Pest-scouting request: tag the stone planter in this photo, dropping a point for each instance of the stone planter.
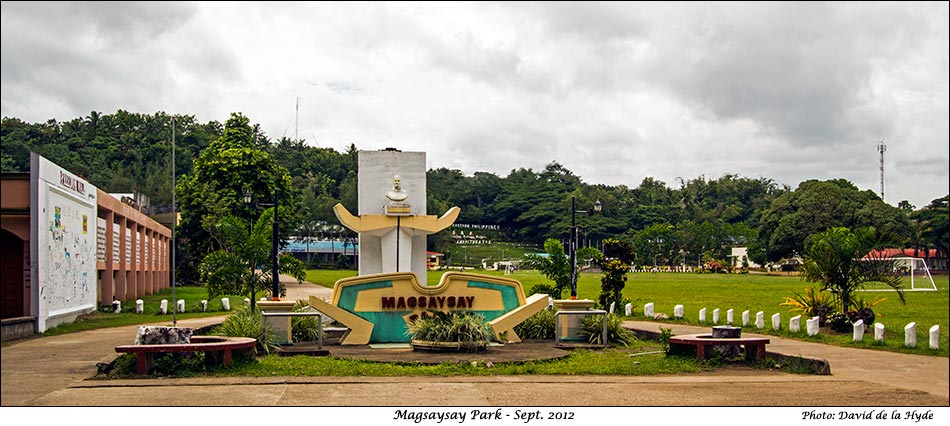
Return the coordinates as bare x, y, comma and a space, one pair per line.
432, 346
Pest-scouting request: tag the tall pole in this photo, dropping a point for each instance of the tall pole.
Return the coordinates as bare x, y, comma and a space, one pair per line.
275, 295
881, 148
174, 223
573, 252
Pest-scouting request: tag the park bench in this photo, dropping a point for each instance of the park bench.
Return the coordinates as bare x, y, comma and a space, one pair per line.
217, 349
754, 346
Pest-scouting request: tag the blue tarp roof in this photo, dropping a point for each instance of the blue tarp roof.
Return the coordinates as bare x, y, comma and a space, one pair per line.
320, 247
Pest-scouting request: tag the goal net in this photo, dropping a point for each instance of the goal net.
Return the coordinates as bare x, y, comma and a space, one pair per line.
915, 276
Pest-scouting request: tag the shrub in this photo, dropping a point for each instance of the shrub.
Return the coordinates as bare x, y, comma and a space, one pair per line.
244, 323
593, 328
461, 327
840, 322
537, 326
813, 303
547, 289
304, 329
665, 334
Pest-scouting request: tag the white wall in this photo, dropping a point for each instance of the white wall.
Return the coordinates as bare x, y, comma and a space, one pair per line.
63, 243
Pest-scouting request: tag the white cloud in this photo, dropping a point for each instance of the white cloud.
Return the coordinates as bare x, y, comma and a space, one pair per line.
613, 91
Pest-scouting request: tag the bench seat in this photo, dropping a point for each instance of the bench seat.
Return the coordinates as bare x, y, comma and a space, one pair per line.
217, 350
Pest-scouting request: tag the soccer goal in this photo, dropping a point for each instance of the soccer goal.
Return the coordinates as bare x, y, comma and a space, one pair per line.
914, 274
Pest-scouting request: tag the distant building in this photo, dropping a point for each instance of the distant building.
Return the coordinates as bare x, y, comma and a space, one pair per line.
739, 256
936, 260
323, 251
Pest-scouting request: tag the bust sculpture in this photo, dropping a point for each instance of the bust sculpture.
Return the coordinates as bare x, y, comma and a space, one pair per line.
397, 195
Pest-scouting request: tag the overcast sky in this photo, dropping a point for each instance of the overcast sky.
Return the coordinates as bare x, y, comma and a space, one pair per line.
615, 92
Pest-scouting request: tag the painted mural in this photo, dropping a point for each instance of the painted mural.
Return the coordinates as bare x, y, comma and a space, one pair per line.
70, 255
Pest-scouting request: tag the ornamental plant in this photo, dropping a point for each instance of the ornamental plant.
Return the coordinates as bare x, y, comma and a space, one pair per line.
453, 327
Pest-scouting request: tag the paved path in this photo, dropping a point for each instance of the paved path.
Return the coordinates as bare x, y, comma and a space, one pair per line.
56, 371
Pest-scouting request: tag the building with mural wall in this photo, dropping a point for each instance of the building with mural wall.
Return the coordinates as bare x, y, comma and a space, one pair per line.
69, 247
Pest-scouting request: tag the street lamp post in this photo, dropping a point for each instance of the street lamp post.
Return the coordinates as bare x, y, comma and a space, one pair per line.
275, 267
597, 207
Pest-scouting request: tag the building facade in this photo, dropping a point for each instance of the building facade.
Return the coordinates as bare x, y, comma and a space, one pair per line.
69, 248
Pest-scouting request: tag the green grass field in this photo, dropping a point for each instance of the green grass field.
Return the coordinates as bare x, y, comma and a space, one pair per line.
752, 292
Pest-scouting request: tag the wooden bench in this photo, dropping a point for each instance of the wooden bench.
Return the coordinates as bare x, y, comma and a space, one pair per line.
754, 346
217, 350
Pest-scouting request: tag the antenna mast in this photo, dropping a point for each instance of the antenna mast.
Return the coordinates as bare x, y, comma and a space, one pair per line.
881, 148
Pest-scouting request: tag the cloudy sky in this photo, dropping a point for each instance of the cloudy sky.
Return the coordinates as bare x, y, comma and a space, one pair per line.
613, 91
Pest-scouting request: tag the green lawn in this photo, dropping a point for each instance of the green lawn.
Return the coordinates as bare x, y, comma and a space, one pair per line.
151, 311
753, 292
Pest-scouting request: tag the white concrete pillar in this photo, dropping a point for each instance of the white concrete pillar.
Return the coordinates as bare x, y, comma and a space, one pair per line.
181, 305
139, 306
628, 309
163, 307
878, 332
716, 316
247, 302
858, 333
910, 335
730, 317
745, 318
760, 319
613, 305
776, 321
648, 310
204, 306
811, 326
935, 337
702, 315
679, 311
225, 303
116, 306
795, 324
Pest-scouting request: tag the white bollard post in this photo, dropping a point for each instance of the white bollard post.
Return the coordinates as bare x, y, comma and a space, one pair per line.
702, 315
812, 326
648, 310
858, 333
795, 324
745, 318
730, 317
247, 302
760, 319
935, 337
163, 307
612, 306
116, 306
204, 306
226, 303
628, 309
181, 305
679, 311
776, 321
878, 332
910, 335
139, 306
716, 316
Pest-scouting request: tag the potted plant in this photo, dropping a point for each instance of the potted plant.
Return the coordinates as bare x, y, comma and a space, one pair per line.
454, 331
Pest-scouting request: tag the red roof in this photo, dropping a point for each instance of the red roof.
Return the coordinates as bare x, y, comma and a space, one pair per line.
433, 253
907, 252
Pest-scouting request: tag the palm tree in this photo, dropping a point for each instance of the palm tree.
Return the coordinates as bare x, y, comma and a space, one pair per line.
233, 269
555, 265
842, 262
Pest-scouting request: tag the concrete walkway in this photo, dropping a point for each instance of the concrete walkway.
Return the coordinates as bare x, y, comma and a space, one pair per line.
56, 371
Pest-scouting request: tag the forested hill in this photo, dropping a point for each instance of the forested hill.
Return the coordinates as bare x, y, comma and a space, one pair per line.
124, 152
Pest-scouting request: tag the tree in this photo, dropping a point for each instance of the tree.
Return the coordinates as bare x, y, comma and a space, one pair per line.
556, 266
228, 168
819, 205
242, 264
836, 259
616, 264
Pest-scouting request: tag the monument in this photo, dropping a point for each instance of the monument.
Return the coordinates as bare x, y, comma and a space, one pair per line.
391, 289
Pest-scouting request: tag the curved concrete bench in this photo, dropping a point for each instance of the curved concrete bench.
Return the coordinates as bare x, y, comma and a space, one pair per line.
754, 346
217, 350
